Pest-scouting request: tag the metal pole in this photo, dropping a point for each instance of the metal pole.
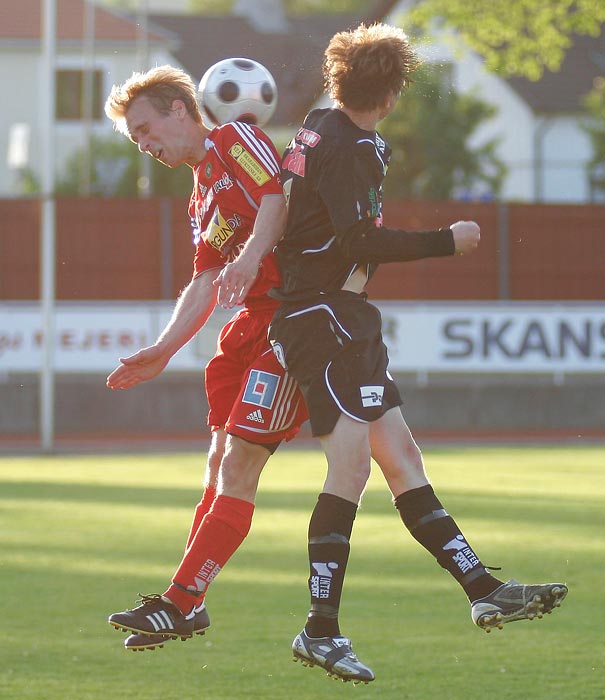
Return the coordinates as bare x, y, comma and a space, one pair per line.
88, 30
47, 226
540, 131
503, 252
144, 179
166, 248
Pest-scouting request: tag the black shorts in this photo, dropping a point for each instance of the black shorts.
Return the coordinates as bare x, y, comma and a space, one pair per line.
332, 345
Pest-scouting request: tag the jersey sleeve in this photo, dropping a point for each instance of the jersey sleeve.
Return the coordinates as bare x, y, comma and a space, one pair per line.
348, 183
249, 154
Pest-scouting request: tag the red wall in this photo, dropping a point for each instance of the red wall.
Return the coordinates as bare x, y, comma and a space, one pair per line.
141, 249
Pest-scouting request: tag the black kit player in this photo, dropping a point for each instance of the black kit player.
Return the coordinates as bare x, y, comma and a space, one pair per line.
329, 338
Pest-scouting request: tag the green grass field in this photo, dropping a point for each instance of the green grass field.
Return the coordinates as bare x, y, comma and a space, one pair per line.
82, 535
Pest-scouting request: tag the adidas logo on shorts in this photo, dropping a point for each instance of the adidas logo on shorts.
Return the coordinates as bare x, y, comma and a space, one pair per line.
256, 416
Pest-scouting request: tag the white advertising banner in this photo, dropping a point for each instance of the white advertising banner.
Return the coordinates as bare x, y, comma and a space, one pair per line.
92, 336
495, 337
421, 337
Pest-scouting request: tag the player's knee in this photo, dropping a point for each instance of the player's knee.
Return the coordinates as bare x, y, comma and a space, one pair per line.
214, 460
216, 453
347, 481
241, 467
413, 456
361, 475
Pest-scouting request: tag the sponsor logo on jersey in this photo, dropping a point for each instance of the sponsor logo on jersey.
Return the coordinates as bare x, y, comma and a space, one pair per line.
308, 137
249, 163
225, 183
295, 159
261, 388
371, 396
374, 211
220, 231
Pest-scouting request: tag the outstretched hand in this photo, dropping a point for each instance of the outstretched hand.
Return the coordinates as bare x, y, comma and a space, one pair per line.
140, 367
467, 235
234, 281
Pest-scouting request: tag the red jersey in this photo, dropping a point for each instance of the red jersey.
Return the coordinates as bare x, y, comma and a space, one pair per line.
240, 167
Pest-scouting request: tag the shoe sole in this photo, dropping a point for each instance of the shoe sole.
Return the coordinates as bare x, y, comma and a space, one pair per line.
535, 608
309, 663
134, 630
160, 645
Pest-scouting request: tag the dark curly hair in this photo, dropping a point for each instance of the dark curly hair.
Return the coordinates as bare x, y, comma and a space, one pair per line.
364, 66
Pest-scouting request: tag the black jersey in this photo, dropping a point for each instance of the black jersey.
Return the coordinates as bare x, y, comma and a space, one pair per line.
332, 173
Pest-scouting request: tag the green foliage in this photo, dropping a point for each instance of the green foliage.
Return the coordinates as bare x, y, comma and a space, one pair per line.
292, 7
516, 37
429, 133
595, 106
82, 535
28, 182
522, 37
211, 7
115, 169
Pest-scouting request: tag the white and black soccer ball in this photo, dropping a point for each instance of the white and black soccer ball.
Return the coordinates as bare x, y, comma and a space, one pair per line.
237, 89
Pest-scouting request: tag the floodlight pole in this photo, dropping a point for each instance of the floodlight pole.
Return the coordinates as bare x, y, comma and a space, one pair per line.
86, 103
47, 226
144, 178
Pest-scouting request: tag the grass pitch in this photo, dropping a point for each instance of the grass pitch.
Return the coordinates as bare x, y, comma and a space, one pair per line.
82, 535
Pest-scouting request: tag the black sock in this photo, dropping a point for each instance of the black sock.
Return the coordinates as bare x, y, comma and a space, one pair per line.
429, 523
329, 533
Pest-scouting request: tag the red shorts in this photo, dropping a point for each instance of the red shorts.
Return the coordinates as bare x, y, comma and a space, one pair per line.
249, 392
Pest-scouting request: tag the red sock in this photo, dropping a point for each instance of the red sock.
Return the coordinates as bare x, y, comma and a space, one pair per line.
220, 533
200, 510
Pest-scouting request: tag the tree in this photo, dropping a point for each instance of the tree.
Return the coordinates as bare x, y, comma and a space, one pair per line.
429, 131
115, 170
519, 37
595, 106
516, 37
292, 7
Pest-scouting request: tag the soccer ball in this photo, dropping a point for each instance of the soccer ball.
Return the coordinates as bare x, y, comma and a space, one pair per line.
237, 89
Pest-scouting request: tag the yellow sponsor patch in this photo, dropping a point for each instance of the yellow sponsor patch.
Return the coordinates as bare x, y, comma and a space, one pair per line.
219, 231
249, 163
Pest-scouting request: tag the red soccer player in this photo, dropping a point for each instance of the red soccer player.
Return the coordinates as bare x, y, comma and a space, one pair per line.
253, 403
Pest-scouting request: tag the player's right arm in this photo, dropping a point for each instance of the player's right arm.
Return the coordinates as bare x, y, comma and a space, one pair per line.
255, 165
191, 312
236, 278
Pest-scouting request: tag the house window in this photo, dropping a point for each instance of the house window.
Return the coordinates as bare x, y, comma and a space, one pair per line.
70, 95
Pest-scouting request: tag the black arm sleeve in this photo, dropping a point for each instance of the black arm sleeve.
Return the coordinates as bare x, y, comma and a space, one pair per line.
365, 242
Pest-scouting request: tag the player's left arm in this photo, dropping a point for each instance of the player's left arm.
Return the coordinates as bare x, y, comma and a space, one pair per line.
357, 215
191, 312
236, 278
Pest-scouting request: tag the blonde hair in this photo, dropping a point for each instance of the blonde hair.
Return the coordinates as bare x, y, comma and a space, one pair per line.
364, 66
161, 86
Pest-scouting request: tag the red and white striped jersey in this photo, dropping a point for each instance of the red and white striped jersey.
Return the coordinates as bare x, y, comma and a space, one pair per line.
240, 167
